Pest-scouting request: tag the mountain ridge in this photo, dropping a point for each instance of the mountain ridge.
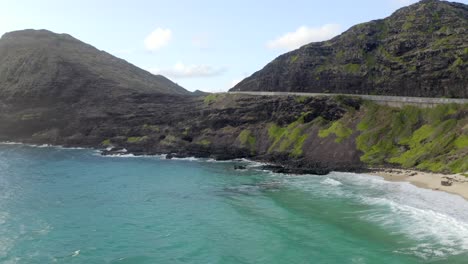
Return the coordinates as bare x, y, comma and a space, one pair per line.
420, 50
40, 63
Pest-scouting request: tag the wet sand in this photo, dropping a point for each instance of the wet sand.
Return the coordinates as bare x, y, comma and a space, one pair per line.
459, 183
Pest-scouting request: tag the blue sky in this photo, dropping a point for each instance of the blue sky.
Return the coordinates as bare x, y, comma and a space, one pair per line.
200, 44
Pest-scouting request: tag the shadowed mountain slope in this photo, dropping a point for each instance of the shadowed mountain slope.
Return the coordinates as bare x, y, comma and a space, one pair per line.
39, 64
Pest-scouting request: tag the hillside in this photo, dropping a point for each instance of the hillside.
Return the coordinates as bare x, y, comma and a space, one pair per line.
420, 50
39, 64
303, 134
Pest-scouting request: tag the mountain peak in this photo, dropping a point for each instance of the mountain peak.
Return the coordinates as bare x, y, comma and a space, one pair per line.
420, 50
40, 63
37, 34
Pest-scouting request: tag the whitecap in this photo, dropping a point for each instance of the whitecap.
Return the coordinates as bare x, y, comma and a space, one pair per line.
10, 143
211, 160
330, 181
122, 156
252, 163
187, 159
41, 145
130, 155
110, 148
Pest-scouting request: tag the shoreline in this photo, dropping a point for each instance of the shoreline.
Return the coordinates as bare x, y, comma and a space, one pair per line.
426, 180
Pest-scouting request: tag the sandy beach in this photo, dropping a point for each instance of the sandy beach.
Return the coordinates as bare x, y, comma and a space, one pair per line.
455, 183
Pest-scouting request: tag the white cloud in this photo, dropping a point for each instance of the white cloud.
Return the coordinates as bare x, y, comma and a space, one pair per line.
157, 39
304, 35
181, 70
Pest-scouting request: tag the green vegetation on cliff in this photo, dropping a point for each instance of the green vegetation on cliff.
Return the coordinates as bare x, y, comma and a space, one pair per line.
137, 139
210, 98
433, 139
338, 129
204, 142
248, 140
288, 139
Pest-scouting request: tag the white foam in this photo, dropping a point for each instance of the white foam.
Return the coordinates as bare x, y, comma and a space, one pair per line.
253, 164
76, 148
187, 159
123, 150
130, 155
39, 145
76, 253
330, 181
124, 156
211, 160
436, 221
120, 154
447, 234
10, 143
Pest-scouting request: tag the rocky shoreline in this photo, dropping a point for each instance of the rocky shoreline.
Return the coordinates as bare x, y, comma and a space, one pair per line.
450, 183
439, 180
272, 162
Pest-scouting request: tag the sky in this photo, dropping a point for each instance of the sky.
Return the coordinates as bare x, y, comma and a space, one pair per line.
207, 45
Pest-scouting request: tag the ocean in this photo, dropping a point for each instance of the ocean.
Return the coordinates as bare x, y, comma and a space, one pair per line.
74, 206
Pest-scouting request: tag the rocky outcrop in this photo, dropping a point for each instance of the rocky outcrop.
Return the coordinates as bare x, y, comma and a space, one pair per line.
300, 134
274, 129
420, 50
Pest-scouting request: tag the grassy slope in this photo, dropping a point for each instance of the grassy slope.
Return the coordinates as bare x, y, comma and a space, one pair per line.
433, 139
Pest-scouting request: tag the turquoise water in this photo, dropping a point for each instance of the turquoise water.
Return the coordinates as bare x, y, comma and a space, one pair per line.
74, 206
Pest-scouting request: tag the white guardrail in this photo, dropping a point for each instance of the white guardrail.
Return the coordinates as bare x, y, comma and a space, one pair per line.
377, 98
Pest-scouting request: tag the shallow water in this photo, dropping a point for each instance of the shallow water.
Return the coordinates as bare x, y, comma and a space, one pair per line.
74, 206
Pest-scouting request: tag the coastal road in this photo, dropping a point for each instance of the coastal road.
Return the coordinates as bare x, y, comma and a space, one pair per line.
397, 101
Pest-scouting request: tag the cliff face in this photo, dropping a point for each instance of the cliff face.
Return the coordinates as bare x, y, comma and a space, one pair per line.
420, 50
41, 65
278, 129
312, 135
